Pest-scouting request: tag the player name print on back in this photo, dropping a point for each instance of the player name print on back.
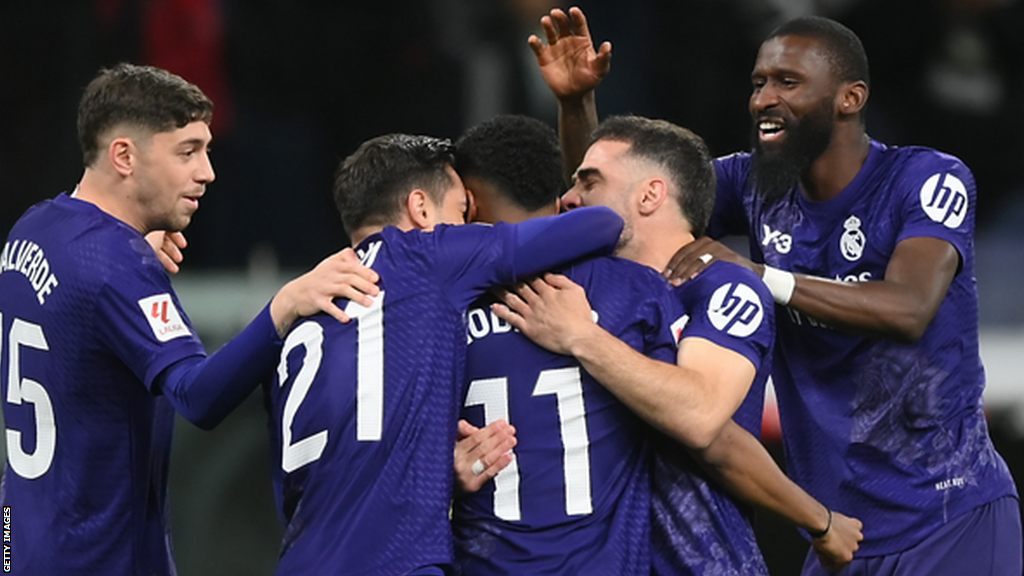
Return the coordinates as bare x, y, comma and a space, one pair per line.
28, 258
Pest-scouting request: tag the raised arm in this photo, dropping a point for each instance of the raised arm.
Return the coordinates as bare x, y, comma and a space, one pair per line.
572, 69
740, 463
690, 401
899, 307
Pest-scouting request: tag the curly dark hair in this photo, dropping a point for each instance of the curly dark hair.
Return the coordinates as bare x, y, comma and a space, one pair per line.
142, 96
520, 156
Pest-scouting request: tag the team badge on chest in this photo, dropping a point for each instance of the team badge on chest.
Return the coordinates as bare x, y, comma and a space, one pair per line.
852, 241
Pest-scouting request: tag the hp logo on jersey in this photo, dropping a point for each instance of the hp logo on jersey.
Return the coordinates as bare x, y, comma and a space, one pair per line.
945, 202
736, 310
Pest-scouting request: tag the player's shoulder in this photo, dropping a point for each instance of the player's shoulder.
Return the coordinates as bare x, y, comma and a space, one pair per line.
443, 238
722, 275
733, 159
81, 241
735, 165
728, 300
617, 273
910, 163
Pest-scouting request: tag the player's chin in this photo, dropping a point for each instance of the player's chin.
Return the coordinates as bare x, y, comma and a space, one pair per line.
180, 222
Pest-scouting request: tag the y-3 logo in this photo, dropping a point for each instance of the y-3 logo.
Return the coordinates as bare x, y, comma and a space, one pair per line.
783, 242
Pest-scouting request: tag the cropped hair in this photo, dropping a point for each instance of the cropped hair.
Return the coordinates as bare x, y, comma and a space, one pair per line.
842, 48
520, 156
372, 184
141, 96
683, 154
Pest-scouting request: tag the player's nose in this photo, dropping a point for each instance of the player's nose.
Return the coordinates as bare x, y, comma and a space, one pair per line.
571, 200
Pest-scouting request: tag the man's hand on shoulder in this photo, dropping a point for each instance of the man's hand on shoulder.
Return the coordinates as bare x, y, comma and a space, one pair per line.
693, 258
340, 275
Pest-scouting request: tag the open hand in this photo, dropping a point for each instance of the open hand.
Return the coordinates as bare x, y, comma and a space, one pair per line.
340, 275
570, 65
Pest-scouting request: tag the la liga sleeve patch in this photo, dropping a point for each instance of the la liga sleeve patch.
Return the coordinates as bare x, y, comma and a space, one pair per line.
163, 317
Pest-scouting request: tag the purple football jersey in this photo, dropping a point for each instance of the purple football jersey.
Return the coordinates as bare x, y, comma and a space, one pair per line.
88, 319
576, 498
363, 415
891, 433
697, 528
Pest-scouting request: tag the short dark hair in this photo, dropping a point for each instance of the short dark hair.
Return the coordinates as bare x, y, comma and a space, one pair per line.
679, 151
842, 48
371, 184
142, 96
520, 156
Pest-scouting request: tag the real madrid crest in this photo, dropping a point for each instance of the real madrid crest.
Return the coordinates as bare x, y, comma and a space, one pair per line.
852, 241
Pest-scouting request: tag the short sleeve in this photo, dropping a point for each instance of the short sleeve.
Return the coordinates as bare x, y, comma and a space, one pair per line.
730, 306
937, 199
140, 318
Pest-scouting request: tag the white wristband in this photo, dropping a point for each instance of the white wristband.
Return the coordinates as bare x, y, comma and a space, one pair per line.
780, 283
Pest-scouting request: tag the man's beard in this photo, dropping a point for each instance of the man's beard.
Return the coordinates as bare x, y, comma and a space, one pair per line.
777, 170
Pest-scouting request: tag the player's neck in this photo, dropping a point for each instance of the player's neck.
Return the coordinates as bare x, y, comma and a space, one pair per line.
360, 234
655, 246
833, 171
109, 194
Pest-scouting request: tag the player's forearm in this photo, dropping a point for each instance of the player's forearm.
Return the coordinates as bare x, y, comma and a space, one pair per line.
898, 307
677, 401
551, 241
282, 314
877, 309
205, 390
577, 118
741, 464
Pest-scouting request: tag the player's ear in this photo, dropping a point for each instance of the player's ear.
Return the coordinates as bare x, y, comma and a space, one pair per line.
420, 209
653, 195
852, 97
470, 206
121, 152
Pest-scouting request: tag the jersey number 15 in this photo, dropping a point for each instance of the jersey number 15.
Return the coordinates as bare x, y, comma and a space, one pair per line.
19, 390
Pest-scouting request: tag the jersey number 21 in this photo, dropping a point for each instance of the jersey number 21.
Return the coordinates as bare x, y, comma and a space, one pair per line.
369, 388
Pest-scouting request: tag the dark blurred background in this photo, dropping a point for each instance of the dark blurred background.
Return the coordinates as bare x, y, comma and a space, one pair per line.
298, 84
